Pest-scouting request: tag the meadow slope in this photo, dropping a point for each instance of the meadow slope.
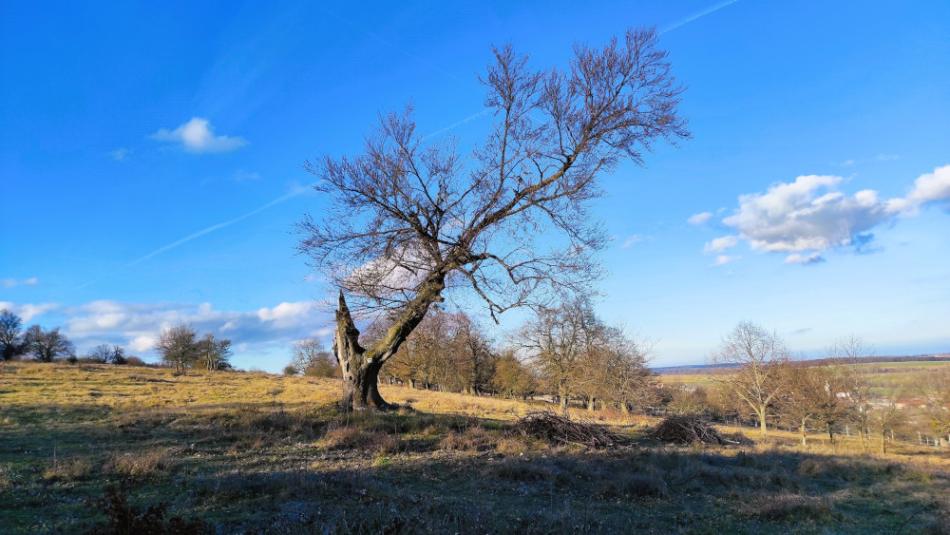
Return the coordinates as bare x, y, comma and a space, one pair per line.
247, 452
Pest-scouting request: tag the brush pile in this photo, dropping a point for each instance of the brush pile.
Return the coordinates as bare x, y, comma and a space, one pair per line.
686, 429
555, 429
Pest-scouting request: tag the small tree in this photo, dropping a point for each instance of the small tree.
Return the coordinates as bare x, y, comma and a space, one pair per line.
310, 358
46, 346
760, 357
178, 347
833, 403
936, 395
100, 354
887, 418
797, 403
512, 378
118, 356
406, 223
557, 342
214, 353
11, 339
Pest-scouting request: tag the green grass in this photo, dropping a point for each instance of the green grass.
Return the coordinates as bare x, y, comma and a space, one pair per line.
222, 450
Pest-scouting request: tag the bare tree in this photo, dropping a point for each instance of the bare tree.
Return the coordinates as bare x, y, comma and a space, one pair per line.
759, 356
887, 417
847, 352
213, 353
556, 341
310, 358
935, 392
797, 403
834, 399
178, 347
408, 222
100, 354
47, 346
11, 339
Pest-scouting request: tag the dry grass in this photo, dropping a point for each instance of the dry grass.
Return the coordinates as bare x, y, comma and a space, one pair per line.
254, 452
66, 470
354, 438
142, 464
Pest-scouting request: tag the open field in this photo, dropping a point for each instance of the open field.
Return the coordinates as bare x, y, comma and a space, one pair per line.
244, 452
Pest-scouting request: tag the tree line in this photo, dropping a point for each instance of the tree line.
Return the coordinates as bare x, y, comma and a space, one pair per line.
179, 347
569, 356
49, 345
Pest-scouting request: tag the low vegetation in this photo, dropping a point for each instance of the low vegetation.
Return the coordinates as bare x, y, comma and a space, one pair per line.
93, 448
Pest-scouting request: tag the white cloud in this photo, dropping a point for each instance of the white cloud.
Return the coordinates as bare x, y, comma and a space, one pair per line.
700, 218
120, 154
809, 215
10, 283
720, 244
143, 343
928, 188
287, 314
724, 259
197, 136
632, 240
804, 259
27, 311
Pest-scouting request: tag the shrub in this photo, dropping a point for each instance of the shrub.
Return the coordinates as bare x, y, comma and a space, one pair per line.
6, 478
141, 464
68, 470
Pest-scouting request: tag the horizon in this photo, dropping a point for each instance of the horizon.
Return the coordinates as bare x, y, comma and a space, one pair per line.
159, 181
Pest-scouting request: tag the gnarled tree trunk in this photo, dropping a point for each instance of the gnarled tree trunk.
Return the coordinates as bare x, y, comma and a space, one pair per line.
360, 372
360, 366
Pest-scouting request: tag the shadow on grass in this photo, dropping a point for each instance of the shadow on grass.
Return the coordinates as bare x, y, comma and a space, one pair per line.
261, 467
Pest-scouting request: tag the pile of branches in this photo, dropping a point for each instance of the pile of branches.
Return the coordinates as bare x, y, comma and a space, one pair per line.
687, 429
556, 429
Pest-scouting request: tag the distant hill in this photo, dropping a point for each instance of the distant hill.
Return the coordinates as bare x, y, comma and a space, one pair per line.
719, 368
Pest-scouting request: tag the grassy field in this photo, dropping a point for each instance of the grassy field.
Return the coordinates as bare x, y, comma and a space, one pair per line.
243, 452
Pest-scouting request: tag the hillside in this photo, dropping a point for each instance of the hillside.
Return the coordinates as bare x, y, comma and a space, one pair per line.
246, 452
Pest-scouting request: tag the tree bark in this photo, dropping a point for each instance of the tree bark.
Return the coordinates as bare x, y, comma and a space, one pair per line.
360, 366
804, 434
763, 427
360, 373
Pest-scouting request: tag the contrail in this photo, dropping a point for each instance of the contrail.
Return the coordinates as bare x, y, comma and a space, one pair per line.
456, 124
213, 228
218, 226
698, 15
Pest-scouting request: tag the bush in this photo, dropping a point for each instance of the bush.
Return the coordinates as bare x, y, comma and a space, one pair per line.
68, 470
142, 464
290, 370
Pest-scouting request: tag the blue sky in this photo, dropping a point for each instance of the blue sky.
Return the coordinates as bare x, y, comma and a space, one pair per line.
151, 162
